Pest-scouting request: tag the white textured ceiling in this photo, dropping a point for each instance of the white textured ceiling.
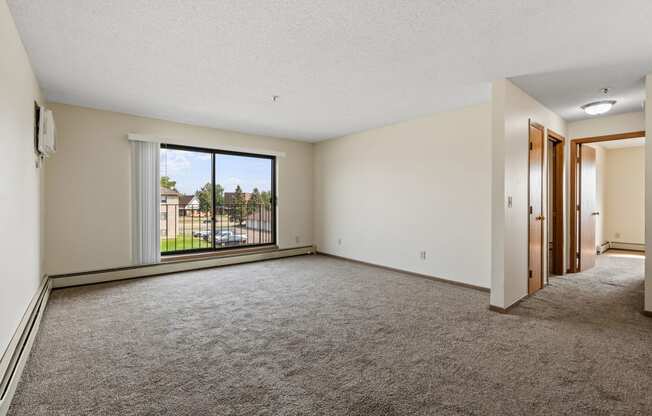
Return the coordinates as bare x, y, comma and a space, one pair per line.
339, 66
564, 92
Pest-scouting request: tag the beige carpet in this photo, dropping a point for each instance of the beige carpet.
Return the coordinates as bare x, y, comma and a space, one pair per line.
314, 335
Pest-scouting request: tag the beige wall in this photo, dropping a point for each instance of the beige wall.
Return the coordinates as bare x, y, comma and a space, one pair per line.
512, 108
424, 185
88, 184
605, 125
624, 197
21, 202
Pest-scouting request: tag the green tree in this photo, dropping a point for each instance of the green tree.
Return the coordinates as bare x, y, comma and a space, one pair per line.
266, 199
238, 211
205, 198
168, 183
219, 195
254, 202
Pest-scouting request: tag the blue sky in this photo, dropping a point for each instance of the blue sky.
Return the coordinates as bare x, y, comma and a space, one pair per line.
192, 170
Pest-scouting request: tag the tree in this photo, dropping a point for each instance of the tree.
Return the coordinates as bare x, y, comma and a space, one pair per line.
219, 195
239, 206
205, 198
266, 199
254, 202
168, 183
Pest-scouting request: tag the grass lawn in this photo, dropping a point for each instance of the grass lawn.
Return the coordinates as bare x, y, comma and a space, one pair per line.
186, 242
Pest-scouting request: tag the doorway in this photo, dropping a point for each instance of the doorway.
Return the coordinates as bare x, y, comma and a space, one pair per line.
583, 213
555, 203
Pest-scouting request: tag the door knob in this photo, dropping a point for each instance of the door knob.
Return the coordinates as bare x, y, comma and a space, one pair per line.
595, 213
540, 218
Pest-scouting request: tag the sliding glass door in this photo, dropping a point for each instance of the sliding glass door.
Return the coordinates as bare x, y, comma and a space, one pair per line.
215, 200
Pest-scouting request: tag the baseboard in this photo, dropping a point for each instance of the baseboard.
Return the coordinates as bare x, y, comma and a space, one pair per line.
425, 276
14, 358
603, 247
132, 272
616, 245
509, 308
647, 313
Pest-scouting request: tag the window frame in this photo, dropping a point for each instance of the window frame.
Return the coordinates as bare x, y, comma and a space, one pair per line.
213, 153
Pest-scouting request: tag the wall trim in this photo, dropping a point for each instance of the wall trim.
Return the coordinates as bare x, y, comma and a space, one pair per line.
617, 245
506, 310
15, 356
603, 247
157, 269
425, 276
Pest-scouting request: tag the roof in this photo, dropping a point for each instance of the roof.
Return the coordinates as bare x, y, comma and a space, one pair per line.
185, 199
166, 191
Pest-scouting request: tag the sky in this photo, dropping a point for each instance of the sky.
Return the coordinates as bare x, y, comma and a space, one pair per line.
192, 170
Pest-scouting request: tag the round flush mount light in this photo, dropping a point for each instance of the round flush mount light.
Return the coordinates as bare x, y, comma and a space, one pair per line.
275, 98
598, 107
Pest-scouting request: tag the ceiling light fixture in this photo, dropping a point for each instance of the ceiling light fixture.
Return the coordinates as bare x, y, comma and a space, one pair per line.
598, 107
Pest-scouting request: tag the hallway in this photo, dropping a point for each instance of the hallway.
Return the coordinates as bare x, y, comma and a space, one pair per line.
609, 293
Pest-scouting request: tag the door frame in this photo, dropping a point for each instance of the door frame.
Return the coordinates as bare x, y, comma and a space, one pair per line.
534, 124
573, 266
559, 142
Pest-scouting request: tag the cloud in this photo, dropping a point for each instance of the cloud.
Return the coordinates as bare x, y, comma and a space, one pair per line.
173, 162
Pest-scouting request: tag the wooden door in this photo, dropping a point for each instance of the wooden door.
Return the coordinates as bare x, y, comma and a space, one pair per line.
587, 213
535, 226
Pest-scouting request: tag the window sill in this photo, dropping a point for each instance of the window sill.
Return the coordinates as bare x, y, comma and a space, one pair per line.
216, 254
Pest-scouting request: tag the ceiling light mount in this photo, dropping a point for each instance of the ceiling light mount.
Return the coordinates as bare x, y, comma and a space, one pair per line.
275, 98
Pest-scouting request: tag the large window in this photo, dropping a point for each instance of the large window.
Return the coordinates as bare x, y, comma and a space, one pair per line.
213, 200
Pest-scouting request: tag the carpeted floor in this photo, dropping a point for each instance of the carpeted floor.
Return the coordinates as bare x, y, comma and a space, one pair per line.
315, 335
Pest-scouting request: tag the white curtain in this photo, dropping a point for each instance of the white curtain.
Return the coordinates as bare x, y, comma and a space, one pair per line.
146, 199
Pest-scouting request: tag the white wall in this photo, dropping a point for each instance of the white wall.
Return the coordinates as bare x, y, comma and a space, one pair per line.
624, 202
21, 208
648, 195
512, 108
606, 125
392, 192
88, 185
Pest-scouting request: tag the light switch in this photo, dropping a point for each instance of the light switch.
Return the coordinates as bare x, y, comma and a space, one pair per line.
509, 202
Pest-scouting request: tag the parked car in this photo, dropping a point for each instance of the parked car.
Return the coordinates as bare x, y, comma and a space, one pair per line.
201, 234
227, 238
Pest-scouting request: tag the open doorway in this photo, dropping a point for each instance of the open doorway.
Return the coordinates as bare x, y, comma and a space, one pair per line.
607, 180
555, 203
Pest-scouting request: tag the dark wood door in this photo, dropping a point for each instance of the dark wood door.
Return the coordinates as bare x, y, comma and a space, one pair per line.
535, 244
587, 210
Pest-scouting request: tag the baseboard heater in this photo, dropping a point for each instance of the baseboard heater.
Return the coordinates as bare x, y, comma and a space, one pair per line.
132, 272
617, 245
15, 356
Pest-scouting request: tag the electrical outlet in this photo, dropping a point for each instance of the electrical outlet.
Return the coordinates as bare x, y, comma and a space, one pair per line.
297, 239
422, 255
617, 235
339, 241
